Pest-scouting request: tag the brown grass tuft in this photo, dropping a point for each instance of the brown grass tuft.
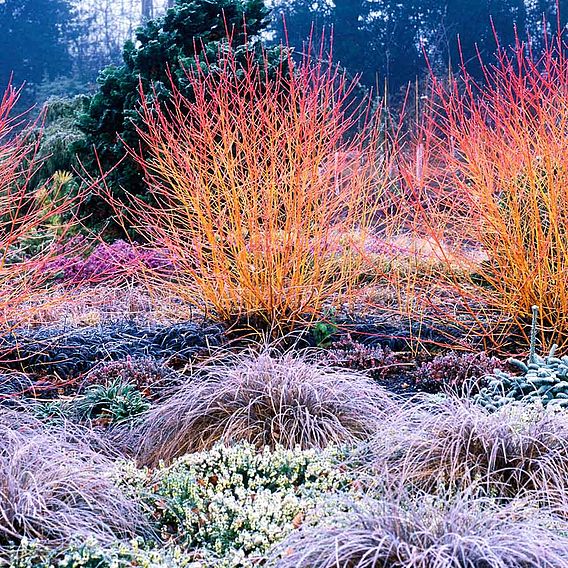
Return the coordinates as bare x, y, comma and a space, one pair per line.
55, 488
448, 532
457, 444
267, 400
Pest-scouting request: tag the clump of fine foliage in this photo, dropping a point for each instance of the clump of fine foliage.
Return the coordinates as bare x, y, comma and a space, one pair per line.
428, 532
54, 488
518, 451
265, 399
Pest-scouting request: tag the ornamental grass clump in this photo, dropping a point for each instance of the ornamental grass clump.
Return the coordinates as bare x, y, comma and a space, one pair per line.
54, 488
514, 452
488, 180
267, 400
429, 532
261, 186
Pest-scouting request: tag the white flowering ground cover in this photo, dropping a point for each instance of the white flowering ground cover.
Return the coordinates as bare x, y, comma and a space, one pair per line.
225, 507
438, 481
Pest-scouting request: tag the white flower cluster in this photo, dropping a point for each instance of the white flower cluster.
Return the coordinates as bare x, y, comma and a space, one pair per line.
236, 502
90, 554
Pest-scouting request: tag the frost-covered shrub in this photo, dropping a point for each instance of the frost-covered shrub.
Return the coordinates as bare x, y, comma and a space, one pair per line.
236, 502
457, 371
89, 553
350, 354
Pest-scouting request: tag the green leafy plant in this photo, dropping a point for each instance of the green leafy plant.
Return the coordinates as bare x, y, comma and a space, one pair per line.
323, 332
115, 402
153, 64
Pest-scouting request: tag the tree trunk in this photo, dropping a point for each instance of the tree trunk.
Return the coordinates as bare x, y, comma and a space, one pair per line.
147, 10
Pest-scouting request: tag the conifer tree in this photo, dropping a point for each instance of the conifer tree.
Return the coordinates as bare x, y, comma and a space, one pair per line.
163, 48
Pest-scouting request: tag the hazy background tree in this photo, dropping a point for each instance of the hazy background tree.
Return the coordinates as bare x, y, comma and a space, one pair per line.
60, 46
34, 43
385, 40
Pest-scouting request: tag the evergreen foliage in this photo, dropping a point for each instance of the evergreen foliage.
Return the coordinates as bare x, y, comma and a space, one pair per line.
164, 48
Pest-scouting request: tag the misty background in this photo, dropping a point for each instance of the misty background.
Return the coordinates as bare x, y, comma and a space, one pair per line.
58, 47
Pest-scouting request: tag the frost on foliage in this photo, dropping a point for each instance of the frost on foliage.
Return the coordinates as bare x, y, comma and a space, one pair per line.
236, 503
543, 380
88, 553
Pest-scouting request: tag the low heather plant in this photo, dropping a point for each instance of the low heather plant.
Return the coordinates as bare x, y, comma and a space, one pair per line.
145, 373
350, 354
459, 372
428, 532
88, 553
236, 502
54, 488
516, 451
108, 261
266, 400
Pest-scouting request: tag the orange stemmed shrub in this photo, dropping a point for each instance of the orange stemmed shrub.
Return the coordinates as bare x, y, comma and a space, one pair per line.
487, 180
31, 226
264, 195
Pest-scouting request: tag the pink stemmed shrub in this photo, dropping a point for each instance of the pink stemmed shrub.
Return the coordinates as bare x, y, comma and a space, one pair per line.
26, 217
